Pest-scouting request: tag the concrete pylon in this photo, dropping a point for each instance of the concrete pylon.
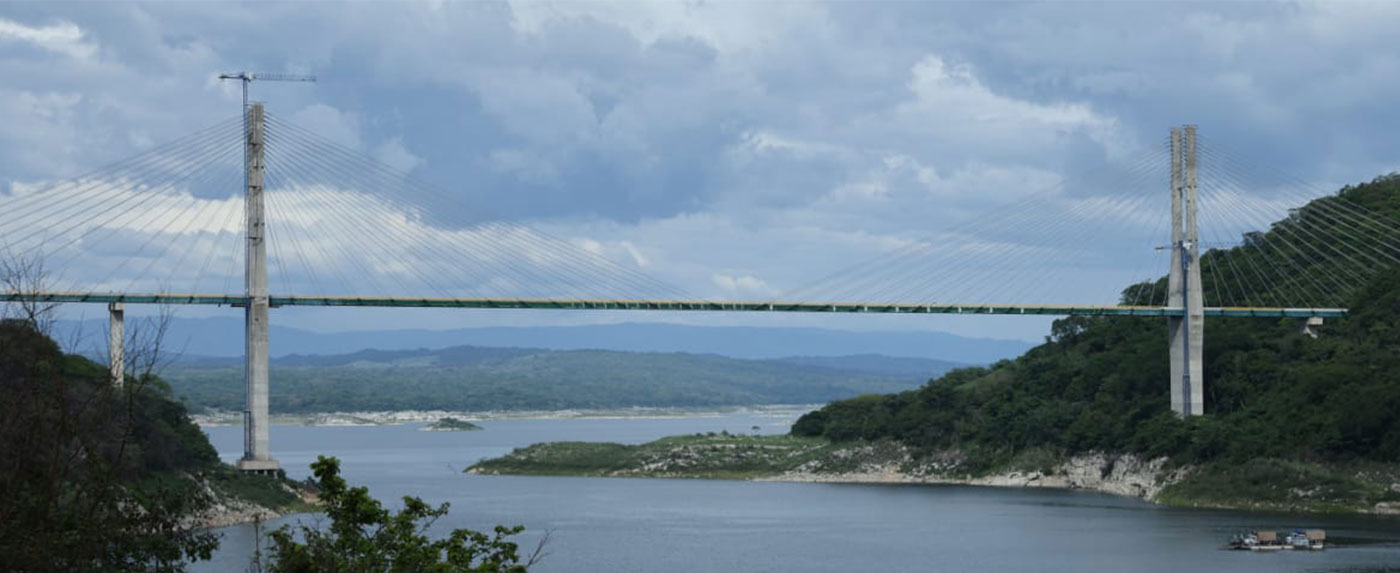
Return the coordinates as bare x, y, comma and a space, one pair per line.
256, 458
1186, 333
116, 342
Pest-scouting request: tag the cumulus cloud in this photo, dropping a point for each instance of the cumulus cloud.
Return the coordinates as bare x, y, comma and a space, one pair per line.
950, 101
63, 37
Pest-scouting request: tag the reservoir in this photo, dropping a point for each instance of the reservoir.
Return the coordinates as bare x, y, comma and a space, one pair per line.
675, 525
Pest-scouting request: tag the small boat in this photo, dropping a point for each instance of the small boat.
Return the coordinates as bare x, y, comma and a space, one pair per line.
1305, 539
1311, 539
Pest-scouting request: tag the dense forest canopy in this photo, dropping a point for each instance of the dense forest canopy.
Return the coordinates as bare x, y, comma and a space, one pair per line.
95, 477
1101, 383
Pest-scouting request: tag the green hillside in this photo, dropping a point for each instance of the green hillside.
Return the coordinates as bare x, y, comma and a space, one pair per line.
97, 477
1274, 396
473, 378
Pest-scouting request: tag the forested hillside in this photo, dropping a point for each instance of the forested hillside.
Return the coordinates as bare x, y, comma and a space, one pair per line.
96, 477
1101, 383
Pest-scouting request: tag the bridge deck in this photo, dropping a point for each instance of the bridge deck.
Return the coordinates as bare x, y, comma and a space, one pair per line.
665, 305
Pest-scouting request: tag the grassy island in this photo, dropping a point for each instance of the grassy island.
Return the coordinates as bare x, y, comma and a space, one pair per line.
729, 456
451, 425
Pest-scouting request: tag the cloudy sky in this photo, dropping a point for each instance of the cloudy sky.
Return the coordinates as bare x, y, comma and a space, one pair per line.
739, 149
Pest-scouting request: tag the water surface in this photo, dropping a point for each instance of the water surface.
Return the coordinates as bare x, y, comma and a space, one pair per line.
611, 524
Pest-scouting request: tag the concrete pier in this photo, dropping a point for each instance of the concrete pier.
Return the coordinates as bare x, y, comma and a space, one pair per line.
256, 458
116, 342
1186, 334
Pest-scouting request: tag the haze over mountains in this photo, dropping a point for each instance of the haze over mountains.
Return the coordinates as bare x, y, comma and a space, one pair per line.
472, 378
224, 337
555, 367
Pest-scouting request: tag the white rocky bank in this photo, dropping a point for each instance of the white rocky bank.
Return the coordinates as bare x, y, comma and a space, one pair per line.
228, 511
1119, 474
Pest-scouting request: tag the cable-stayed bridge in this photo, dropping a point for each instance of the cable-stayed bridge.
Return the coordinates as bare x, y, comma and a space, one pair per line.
256, 212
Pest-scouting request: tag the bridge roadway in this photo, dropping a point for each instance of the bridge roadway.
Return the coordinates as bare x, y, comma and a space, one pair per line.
664, 305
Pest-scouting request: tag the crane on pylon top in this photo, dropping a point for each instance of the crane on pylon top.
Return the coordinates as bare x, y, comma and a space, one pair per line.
250, 77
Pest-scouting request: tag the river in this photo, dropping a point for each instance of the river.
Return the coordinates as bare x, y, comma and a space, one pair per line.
601, 524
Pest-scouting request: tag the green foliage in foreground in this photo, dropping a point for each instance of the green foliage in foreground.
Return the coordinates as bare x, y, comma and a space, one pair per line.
92, 476
1101, 383
95, 477
505, 379
363, 536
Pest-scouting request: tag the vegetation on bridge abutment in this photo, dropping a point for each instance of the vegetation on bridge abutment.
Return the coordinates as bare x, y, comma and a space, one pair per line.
1292, 422
96, 477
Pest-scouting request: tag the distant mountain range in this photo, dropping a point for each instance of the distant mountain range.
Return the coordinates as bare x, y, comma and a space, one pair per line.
554, 367
479, 378
224, 337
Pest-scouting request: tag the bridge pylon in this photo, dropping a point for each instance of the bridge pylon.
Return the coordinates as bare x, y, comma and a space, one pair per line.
1186, 332
256, 458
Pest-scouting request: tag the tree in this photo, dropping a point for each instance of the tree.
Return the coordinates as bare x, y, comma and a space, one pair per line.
363, 536
19, 274
94, 476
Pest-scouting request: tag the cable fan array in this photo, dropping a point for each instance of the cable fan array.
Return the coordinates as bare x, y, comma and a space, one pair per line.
344, 223
1102, 238
1282, 242
339, 223
1077, 243
114, 228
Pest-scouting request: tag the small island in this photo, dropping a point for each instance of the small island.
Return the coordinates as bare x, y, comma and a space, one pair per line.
451, 425
713, 456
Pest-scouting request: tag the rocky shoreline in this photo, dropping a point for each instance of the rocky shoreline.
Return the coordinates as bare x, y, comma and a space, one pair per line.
236, 498
1286, 485
228, 511
1125, 475
788, 459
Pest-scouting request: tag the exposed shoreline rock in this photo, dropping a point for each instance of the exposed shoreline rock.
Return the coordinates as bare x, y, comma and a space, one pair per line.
226, 509
1119, 474
798, 459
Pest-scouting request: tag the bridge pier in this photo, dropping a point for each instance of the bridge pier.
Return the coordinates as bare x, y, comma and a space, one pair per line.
1310, 325
256, 458
1186, 332
116, 342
